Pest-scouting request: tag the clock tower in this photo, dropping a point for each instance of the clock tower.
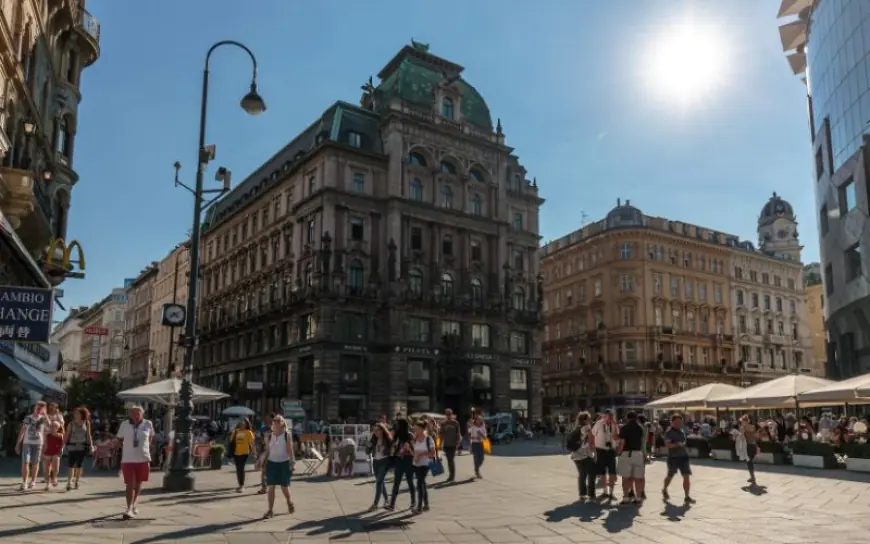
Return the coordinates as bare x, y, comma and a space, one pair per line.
777, 229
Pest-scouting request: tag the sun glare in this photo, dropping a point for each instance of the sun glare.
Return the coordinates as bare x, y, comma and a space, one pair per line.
687, 63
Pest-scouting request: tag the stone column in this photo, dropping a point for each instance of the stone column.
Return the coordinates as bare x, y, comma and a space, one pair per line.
501, 386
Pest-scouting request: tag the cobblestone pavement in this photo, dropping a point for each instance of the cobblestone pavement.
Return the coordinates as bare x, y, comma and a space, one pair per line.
527, 495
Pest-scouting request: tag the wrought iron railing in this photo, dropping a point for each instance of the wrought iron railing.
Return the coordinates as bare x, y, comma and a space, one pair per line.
89, 24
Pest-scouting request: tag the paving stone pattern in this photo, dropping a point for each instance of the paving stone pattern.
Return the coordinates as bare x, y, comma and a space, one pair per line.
527, 495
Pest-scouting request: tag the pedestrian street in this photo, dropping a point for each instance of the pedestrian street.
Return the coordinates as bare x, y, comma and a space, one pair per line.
527, 495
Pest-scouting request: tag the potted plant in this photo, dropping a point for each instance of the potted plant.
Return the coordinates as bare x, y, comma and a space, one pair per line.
698, 448
772, 453
808, 453
217, 453
722, 447
857, 456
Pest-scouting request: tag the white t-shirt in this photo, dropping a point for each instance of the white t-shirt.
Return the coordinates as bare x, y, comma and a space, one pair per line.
421, 449
34, 429
604, 434
137, 441
347, 442
477, 434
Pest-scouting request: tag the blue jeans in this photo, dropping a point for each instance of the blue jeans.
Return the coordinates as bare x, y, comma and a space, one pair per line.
477, 454
404, 469
380, 467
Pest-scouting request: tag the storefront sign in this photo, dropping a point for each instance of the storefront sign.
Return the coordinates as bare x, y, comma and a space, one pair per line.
58, 248
524, 361
487, 357
352, 347
41, 356
97, 331
25, 313
411, 350
254, 386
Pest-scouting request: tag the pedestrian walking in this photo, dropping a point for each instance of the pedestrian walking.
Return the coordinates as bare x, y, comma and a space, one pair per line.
51, 453
241, 447
279, 465
632, 460
581, 444
79, 442
380, 449
450, 434
750, 435
136, 435
424, 452
403, 453
31, 439
678, 458
606, 434
477, 435
265, 433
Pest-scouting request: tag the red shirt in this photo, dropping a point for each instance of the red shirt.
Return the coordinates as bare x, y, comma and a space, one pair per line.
53, 445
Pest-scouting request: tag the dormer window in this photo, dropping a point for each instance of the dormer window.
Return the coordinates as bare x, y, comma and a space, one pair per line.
447, 108
354, 139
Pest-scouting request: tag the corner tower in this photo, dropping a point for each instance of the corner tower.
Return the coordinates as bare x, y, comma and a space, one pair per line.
777, 229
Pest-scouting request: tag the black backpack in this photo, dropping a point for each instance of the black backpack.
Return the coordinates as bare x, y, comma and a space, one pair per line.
575, 439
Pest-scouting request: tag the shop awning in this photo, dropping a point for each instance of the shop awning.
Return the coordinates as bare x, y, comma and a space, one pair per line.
31, 378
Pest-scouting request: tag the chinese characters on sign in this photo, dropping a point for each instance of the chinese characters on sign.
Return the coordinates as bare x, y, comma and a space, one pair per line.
25, 313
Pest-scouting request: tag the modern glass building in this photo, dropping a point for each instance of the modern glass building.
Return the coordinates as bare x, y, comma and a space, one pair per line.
828, 44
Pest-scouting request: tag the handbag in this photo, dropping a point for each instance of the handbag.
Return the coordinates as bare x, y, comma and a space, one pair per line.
436, 467
487, 446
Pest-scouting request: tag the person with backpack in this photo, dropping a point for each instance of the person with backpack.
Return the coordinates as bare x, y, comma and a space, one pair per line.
424, 453
582, 447
279, 464
79, 443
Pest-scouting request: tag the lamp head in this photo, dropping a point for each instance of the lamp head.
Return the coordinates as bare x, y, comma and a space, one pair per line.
29, 128
252, 102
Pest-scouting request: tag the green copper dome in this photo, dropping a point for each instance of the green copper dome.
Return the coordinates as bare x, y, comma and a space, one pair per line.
414, 74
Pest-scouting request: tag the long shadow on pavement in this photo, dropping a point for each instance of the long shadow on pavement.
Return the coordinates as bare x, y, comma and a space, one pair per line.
353, 523
192, 532
588, 511
21, 531
839, 474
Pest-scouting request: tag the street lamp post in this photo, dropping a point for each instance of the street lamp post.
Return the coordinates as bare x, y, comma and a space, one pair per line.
181, 476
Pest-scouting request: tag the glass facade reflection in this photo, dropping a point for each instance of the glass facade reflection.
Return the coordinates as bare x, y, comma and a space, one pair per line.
838, 83
838, 72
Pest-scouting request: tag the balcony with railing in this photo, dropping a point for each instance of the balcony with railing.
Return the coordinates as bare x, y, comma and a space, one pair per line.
90, 28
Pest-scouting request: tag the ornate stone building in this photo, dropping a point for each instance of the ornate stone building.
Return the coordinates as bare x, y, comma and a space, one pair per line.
769, 297
639, 307
45, 46
139, 368
170, 286
384, 261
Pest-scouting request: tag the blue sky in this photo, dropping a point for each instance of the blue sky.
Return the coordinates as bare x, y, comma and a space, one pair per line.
568, 78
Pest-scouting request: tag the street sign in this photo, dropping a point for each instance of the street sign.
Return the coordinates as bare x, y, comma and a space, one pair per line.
97, 331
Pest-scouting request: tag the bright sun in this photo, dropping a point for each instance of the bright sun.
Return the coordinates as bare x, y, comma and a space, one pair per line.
686, 63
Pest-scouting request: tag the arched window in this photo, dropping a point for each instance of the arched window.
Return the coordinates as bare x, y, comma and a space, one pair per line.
355, 276
447, 108
416, 158
446, 197
416, 190
476, 290
446, 167
309, 275
446, 285
59, 216
476, 175
62, 137
518, 299
476, 205
72, 66
415, 282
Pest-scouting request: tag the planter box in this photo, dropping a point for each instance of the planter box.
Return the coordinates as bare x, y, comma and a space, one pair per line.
814, 461
770, 459
856, 464
723, 455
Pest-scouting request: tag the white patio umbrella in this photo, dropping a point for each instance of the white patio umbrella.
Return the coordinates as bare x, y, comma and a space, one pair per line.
238, 411
697, 398
167, 392
852, 391
781, 392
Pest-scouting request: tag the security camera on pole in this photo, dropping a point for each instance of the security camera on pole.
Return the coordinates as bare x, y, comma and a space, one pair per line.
181, 476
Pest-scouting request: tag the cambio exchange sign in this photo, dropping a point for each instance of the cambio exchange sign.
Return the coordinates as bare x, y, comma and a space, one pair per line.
25, 314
